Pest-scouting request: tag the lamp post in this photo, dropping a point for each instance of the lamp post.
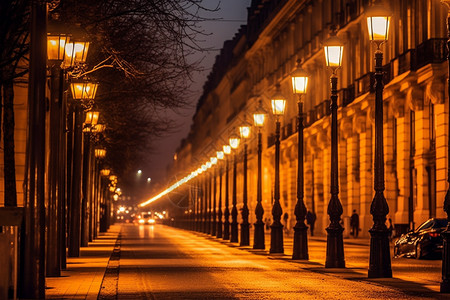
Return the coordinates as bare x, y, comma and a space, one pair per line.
333, 49
300, 248
220, 156
204, 211
82, 91
276, 233
226, 223
214, 162
445, 283
380, 260
259, 239
244, 132
209, 198
99, 154
234, 143
90, 123
56, 247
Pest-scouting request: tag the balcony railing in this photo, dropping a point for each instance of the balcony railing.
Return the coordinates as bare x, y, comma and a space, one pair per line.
431, 51
364, 84
346, 95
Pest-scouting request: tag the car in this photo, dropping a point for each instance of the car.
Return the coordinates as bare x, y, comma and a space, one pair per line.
426, 240
146, 219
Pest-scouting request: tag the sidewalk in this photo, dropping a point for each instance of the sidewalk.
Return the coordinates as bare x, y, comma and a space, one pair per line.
84, 274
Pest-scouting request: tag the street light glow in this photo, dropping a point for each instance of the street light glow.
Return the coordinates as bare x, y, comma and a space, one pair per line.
208, 164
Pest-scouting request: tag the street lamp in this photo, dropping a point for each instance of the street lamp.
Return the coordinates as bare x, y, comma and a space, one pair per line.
76, 50
83, 92
100, 153
214, 162
208, 198
226, 223
333, 49
91, 118
56, 42
83, 89
300, 248
380, 260
258, 239
244, 132
220, 156
56, 233
276, 233
234, 143
445, 283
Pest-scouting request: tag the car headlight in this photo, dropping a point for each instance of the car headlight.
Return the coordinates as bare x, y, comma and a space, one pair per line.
141, 221
151, 221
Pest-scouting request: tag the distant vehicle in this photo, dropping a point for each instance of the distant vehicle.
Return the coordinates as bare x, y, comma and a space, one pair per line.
424, 241
146, 218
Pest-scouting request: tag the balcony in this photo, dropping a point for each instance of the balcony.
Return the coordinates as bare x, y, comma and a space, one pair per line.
431, 51
365, 84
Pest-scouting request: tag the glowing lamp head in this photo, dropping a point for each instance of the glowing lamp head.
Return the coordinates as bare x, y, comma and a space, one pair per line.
100, 153
378, 19
208, 164
333, 49
214, 160
259, 116
92, 118
234, 141
220, 155
56, 42
75, 52
105, 172
83, 90
227, 149
245, 131
299, 80
278, 103
204, 168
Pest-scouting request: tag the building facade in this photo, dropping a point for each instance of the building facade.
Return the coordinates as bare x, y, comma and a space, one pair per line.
263, 54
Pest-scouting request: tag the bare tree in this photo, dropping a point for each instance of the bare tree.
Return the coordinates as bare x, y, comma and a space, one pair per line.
148, 43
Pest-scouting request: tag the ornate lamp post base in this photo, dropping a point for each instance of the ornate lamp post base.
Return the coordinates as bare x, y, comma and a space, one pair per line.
276, 238
234, 232
335, 248
380, 261
226, 230
245, 234
300, 250
259, 237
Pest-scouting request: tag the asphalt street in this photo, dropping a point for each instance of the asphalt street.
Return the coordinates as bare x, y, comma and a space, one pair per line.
160, 262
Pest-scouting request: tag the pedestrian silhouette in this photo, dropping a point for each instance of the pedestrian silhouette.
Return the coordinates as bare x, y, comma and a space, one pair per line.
354, 224
390, 227
310, 220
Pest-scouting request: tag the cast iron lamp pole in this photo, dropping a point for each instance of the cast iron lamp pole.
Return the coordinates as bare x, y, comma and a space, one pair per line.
209, 197
220, 156
380, 259
214, 161
335, 246
234, 143
244, 131
205, 199
300, 248
226, 224
445, 283
259, 238
276, 233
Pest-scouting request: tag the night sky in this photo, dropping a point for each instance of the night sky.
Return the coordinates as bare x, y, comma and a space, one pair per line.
233, 14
